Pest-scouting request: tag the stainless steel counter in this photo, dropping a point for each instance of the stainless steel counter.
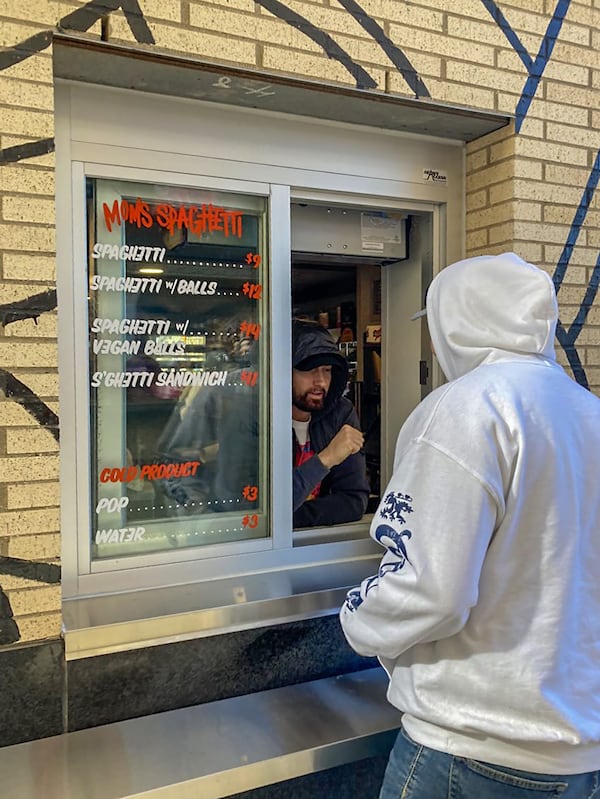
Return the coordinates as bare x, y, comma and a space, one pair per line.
213, 750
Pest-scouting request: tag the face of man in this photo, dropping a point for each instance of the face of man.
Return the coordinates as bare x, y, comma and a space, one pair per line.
309, 389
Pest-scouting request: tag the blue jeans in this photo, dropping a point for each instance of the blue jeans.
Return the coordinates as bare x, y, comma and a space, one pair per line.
417, 772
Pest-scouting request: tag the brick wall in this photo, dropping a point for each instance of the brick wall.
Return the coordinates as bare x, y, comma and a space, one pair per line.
29, 493
531, 188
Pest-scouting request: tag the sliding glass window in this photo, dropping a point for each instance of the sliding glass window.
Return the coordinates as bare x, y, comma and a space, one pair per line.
178, 367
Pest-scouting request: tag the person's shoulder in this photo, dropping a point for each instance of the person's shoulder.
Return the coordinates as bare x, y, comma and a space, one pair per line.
340, 412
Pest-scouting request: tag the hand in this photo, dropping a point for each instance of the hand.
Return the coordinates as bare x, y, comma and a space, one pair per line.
347, 441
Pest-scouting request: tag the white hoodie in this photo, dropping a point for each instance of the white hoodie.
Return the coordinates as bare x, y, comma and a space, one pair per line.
485, 611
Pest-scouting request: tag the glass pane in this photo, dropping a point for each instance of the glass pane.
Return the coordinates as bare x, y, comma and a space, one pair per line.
178, 370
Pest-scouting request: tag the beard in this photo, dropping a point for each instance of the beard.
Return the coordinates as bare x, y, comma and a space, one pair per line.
308, 403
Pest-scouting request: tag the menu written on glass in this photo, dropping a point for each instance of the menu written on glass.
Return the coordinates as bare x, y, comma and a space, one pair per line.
176, 330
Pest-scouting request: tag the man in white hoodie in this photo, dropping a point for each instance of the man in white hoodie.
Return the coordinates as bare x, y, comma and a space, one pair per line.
485, 611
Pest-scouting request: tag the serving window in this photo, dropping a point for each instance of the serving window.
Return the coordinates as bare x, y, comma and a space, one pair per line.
178, 367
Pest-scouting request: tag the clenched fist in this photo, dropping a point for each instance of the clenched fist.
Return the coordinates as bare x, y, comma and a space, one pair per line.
347, 441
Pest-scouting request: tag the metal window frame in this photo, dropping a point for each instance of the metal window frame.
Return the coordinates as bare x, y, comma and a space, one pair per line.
306, 555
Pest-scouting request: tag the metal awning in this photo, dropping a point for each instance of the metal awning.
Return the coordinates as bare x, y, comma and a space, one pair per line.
130, 67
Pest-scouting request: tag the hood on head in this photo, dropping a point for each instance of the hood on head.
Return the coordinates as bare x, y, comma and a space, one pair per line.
481, 308
312, 345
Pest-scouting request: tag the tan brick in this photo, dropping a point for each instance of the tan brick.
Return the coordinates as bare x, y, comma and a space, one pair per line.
14, 292
558, 112
200, 43
27, 237
240, 5
559, 92
475, 240
567, 175
37, 124
37, 68
27, 469
427, 42
31, 522
581, 256
409, 14
532, 128
36, 440
502, 193
314, 66
26, 95
496, 137
14, 31
23, 354
261, 28
567, 73
35, 600
490, 175
45, 547
369, 52
162, 9
588, 335
331, 19
541, 232
530, 211
573, 135
476, 160
536, 6
44, 384
593, 317
547, 192
570, 295
28, 209
592, 357
483, 77
40, 627
20, 178
30, 11
489, 216
456, 93
502, 150
18, 266
46, 327
582, 13
499, 234
477, 200
12, 413
560, 214
530, 251
482, 30
32, 495
526, 168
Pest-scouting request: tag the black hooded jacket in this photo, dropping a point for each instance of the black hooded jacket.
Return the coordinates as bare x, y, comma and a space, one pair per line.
344, 488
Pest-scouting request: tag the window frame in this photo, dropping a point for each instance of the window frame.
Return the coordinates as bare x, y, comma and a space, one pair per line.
88, 149
284, 548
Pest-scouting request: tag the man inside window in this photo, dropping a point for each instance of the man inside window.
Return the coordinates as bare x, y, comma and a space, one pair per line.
330, 484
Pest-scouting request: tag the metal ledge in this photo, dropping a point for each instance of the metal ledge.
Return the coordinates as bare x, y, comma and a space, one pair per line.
214, 750
81, 58
117, 622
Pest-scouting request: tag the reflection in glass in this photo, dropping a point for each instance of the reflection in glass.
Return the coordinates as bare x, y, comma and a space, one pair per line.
178, 337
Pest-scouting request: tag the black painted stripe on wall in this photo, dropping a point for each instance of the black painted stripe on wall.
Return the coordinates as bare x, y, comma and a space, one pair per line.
14, 389
30, 149
324, 40
9, 631
83, 18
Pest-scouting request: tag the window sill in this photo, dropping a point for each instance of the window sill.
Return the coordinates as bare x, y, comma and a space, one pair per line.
101, 625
